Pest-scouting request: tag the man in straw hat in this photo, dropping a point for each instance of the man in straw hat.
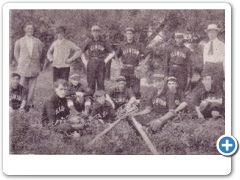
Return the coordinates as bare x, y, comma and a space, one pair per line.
214, 55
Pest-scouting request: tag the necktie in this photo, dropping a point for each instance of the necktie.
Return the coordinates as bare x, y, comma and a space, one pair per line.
210, 52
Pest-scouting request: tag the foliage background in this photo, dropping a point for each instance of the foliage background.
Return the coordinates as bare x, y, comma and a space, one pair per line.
182, 136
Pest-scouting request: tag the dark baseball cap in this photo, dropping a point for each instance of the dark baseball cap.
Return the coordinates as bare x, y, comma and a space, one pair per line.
172, 78
16, 75
130, 29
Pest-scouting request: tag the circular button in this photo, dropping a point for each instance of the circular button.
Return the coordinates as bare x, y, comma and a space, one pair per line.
227, 145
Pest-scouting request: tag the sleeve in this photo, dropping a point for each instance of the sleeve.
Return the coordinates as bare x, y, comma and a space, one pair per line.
170, 100
144, 51
149, 101
73, 46
182, 97
189, 64
119, 51
17, 50
95, 110
50, 52
50, 112
219, 93
198, 96
85, 47
166, 63
108, 48
24, 94
111, 112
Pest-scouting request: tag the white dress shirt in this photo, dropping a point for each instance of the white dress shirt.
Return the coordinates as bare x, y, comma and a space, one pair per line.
218, 52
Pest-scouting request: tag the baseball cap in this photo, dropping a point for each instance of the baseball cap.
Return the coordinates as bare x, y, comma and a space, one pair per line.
95, 28
172, 78
130, 29
121, 78
99, 93
60, 29
76, 77
16, 75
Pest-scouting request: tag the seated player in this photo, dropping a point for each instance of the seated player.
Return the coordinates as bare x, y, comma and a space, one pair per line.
165, 102
205, 98
56, 112
121, 94
18, 95
78, 95
101, 108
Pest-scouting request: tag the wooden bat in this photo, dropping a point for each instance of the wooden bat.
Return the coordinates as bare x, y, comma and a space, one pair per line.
148, 142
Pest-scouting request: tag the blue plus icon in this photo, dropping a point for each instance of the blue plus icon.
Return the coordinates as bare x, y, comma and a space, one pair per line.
227, 145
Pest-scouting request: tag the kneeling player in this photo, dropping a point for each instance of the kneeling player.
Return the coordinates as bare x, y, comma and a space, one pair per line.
205, 98
56, 112
165, 102
121, 94
18, 95
102, 109
78, 95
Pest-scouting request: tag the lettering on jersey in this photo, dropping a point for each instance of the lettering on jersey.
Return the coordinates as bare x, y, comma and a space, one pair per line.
131, 51
178, 54
96, 47
159, 101
60, 109
15, 97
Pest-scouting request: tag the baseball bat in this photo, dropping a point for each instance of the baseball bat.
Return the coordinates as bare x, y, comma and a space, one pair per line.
148, 142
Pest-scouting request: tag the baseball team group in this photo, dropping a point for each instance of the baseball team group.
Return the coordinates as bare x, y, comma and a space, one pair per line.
178, 87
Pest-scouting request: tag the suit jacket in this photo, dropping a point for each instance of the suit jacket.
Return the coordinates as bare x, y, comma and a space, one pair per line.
28, 65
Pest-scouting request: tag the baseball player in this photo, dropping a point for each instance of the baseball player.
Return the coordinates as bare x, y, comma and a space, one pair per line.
99, 53
78, 95
164, 102
59, 55
121, 94
18, 94
130, 56
102, 108
178, 62
203, 97
56, 112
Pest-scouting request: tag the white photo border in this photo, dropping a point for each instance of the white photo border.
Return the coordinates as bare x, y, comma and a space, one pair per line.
115, 164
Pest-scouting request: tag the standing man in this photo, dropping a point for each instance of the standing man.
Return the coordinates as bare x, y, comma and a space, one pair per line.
59, 55
178, 62
99, 53
214, 55
27, 52
130, 55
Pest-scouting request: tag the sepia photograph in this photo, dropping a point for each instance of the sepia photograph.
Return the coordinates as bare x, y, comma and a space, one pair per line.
116, 81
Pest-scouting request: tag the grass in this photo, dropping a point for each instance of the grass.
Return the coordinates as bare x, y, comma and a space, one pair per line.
183, 135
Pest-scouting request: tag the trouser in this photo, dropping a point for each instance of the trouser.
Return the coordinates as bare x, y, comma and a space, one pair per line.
108, 70
60, 73
181, 74
207, 111
96, 74
133, 83
215, 70
29, 83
